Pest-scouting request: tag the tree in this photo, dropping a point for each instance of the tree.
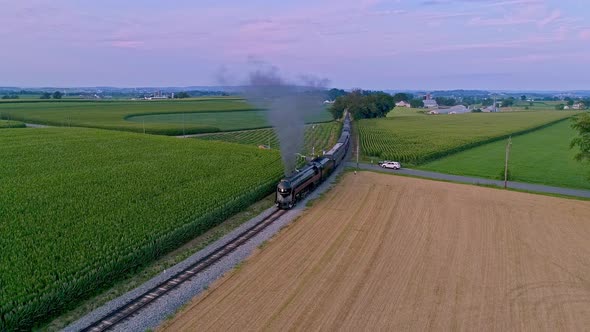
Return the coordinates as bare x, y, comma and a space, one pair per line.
338, 107
416, 103
523, 97
45, 95
559, 107
487, 102
182, 95
443, 101
582, 125
468, 100
363, 104
401, 97
335, 93
57, 95
508, 102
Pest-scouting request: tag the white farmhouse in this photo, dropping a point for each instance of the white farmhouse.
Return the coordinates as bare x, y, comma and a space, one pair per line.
403, 104
578, 106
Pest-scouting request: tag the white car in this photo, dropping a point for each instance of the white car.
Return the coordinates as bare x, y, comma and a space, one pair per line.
391, 164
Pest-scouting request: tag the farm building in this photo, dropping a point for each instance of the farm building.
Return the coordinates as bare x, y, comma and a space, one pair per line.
429, 102
578, 106
403, 104
490, 109
458, 109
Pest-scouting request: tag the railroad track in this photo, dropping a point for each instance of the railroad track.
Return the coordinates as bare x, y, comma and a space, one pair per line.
132, 307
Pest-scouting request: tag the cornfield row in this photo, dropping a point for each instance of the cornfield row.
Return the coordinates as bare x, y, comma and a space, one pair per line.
80, 208
166, 117
318, 137
11, 124
418, 139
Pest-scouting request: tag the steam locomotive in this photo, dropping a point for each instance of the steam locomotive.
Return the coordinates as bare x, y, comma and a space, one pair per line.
295, 187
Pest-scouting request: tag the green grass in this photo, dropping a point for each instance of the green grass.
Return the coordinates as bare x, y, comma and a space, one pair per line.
11, 124
80, 208
319, 136
526, 106
541, 156
405, 111
113, 114
201, 115
418, 139
223, 121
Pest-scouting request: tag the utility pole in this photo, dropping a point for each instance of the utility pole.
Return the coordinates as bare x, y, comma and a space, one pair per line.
508, 144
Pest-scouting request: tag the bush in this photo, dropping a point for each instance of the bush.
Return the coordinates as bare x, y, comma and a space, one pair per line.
508, 174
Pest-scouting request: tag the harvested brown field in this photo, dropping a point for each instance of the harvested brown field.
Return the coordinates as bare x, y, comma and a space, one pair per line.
384, 252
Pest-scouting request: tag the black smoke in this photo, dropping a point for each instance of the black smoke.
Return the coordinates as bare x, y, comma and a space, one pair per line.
289, 105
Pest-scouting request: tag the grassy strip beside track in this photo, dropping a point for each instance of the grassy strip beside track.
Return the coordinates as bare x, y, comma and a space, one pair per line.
541, 157
321, 136
81, 208
11, 124
418, 139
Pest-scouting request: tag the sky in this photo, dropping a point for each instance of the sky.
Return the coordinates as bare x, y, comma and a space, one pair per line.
370, 44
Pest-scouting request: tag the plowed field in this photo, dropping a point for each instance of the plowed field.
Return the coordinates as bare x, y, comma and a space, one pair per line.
384, 252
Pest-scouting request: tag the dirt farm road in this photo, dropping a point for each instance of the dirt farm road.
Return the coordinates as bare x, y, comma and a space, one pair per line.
473, 180
382, 252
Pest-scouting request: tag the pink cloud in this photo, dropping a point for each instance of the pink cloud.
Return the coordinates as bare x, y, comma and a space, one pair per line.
585, 34
508, 44
134, 44
478, 21
555, 15
538, 57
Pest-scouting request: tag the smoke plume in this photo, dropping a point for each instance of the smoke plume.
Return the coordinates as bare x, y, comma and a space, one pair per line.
289, 105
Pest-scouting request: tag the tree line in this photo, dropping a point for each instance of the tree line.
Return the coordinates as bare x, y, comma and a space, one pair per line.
363, 104
581, 123
55, 95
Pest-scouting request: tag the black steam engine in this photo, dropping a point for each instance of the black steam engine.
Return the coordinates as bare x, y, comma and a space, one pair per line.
295, 187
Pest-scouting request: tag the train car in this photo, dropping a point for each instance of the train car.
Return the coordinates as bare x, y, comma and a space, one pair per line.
338, 152
293, 188
326, 166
